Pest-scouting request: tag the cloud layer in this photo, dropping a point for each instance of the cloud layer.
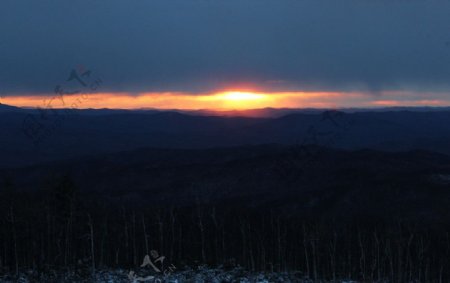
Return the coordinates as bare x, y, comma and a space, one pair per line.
200, 46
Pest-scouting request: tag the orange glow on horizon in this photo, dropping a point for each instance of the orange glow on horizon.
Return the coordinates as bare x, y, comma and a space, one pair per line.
224, 100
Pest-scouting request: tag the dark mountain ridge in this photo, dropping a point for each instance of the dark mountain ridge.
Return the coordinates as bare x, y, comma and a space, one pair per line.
28, 139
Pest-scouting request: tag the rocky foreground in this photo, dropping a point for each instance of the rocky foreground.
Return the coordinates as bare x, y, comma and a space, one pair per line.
200, 275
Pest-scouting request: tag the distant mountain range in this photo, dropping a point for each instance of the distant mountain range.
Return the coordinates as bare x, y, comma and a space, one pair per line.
29, 136
4, 108
267, 112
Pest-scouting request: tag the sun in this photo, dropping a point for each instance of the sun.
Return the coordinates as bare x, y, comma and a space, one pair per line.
242, 99
228, 100
241, 96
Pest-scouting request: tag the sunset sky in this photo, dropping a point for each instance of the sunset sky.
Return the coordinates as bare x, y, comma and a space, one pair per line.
234, 54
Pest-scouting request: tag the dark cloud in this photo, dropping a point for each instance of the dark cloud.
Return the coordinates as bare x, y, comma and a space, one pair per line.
203, 45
